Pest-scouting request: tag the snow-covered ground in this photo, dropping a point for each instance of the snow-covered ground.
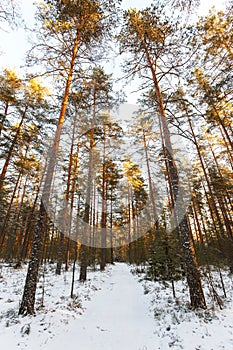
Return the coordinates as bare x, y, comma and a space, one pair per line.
114, 310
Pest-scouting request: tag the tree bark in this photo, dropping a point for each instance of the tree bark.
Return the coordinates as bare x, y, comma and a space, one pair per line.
104, 209
10, 152
192, 272
84, 247
28, 300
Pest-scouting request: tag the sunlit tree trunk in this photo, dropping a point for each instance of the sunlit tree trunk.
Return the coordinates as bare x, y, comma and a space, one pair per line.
192, 272
86, 219
7, 216
28, 300
151, 188
11, 149
103, 206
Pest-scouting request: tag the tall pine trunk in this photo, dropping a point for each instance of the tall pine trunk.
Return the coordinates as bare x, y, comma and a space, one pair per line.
104, 209
28, 301
151, 187
84, 246
192, 272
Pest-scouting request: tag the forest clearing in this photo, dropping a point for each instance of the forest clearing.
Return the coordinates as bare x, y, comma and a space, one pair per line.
116, 218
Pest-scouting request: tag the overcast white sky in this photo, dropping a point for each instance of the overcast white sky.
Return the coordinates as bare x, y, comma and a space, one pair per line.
14, 44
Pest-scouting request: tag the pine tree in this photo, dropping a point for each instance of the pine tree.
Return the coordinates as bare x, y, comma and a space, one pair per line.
81, 24
147, 34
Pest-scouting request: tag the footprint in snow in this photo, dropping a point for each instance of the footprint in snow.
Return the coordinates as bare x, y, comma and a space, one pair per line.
101, 329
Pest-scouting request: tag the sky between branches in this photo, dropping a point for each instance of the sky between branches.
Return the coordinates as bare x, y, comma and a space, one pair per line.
14, 43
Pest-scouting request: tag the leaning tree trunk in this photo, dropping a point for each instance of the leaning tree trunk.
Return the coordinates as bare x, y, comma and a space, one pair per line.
212, 201
22, 253
192, 272
28, 300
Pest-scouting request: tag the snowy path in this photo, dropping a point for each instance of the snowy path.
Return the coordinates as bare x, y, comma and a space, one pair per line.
117, 318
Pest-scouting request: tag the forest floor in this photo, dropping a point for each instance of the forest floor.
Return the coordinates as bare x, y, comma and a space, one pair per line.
115, 309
